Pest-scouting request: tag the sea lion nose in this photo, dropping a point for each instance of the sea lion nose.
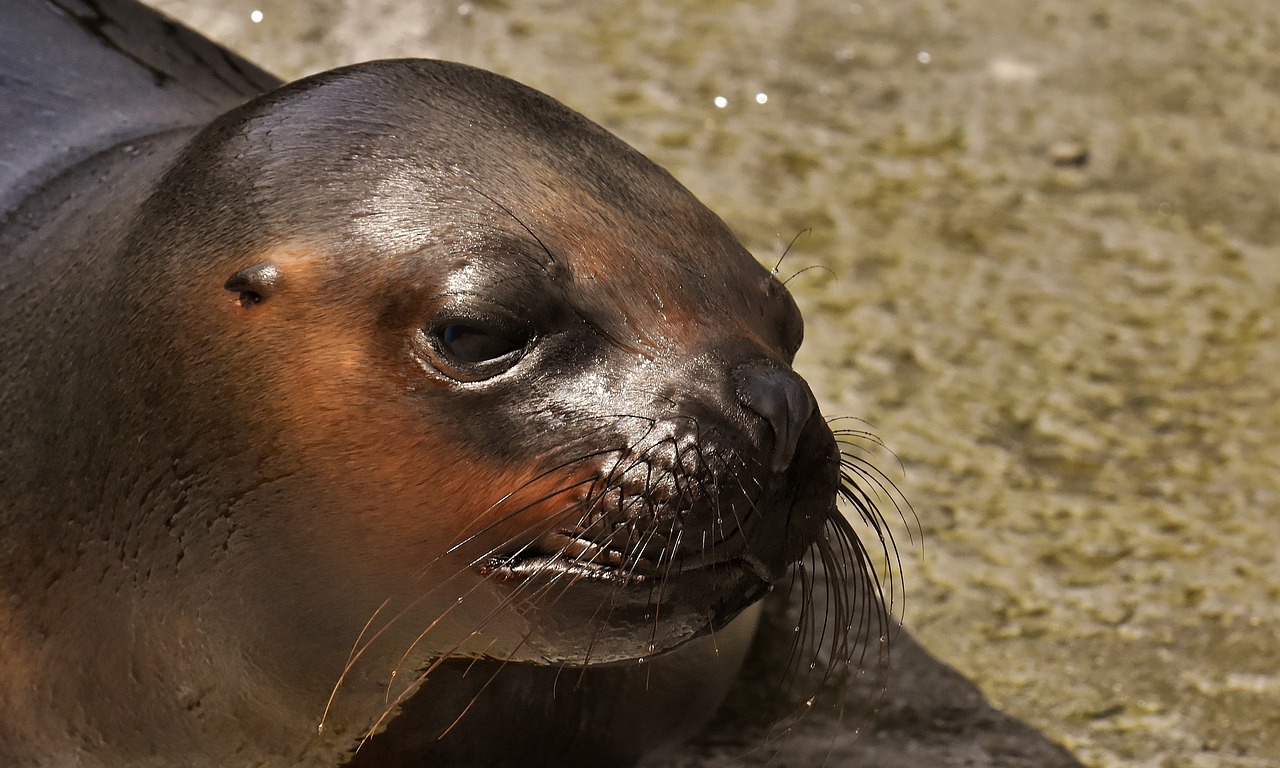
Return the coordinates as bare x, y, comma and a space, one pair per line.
782, 398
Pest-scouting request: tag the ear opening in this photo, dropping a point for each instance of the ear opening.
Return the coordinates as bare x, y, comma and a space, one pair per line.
255, 284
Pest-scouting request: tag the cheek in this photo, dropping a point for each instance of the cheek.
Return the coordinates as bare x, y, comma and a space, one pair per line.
362, 460
373, 478
392, 479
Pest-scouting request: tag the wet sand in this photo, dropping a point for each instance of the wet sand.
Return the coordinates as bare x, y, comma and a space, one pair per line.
1037, 245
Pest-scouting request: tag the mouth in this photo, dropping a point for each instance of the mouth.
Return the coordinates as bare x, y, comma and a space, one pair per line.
572, 558
577, 559
596, 605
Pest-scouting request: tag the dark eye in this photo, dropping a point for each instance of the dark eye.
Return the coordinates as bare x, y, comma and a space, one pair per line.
470, 350
469, 345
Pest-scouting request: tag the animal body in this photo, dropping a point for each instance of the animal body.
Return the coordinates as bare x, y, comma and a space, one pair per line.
396, 416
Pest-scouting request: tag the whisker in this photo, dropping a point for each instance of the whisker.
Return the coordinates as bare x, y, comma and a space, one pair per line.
545, 526
671, 499
778, 264
442, 584
352, 656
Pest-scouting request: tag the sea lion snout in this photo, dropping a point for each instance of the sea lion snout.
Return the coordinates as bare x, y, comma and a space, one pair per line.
783, 399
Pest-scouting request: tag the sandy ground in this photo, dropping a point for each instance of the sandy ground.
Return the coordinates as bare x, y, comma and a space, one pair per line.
1047, 245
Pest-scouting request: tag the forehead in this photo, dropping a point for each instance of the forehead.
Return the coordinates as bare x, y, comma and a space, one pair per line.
630, 237
473, 164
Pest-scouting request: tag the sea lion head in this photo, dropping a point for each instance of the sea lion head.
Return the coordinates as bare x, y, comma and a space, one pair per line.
471, 378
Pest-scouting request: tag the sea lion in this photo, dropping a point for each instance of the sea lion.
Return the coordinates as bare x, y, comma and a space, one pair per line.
395, 416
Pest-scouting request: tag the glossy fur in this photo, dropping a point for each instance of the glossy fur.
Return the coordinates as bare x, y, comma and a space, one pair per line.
400, 400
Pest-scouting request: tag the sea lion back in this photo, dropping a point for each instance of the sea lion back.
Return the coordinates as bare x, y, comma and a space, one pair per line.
77, 78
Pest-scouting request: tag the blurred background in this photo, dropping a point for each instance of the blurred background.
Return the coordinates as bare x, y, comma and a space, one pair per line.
1037, 244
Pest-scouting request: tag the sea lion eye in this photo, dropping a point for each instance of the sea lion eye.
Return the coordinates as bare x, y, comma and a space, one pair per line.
469, 344
471, 350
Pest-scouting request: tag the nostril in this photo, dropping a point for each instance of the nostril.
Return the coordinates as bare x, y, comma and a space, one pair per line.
783, 399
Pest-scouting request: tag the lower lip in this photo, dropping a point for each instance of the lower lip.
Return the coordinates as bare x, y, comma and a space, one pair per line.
589, 614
